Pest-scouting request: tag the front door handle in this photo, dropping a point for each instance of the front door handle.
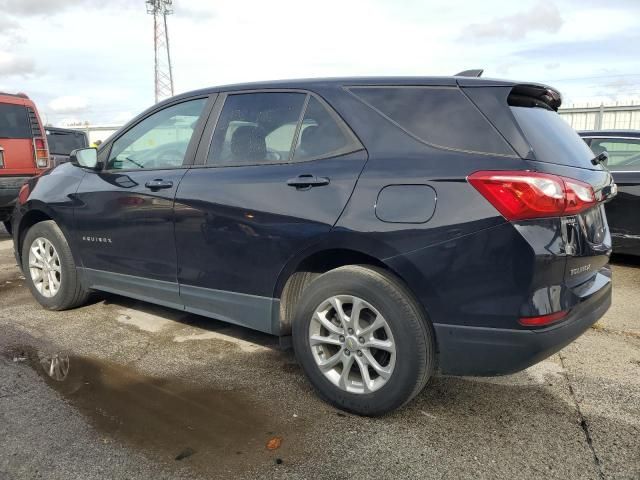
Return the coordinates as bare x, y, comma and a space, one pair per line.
158, 184
307, 181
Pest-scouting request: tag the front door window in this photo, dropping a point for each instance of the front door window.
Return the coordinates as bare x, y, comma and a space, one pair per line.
158, 141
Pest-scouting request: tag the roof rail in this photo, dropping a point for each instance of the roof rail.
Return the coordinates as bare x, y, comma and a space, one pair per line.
19, 94
470, 73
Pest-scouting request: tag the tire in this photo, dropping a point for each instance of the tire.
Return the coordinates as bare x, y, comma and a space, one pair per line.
70, 292
7, 226
407, 335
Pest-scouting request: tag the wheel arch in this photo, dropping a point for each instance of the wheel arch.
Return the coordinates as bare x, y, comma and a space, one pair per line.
36, 213
302, 270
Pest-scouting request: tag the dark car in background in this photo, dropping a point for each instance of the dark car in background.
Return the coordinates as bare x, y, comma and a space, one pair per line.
623, 212
23, 148
394, 227
62, 141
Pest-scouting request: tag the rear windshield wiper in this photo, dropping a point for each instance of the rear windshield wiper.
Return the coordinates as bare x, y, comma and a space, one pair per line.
600, 158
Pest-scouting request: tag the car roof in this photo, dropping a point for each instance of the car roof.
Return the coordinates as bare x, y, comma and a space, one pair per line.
339, 82
610, 133
16, 99
311, 83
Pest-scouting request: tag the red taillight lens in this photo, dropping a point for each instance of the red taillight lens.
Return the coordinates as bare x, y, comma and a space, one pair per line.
41, 153
542, 320
522, 195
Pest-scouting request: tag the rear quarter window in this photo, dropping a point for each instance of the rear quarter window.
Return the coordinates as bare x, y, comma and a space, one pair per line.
438, 116
14, 122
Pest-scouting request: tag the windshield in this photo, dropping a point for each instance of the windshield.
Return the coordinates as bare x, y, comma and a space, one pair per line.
14, 122
64, 143
552, 139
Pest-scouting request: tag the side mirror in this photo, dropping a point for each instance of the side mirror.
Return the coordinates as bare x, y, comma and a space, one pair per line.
86, 158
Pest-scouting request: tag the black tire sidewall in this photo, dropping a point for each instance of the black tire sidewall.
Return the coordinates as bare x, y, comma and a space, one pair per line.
65, 295
412, 352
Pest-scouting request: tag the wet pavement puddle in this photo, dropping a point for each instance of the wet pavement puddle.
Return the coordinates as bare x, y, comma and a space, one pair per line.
208, 429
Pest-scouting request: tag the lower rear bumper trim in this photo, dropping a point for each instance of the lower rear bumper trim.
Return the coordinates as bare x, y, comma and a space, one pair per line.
481, 351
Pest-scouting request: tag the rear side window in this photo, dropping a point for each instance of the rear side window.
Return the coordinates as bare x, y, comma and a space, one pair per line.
552, 139
277, 127
439, 116
14, 122
63, 143
256, 128
624, 154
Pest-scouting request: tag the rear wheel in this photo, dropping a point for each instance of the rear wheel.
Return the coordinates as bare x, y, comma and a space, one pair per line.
49, 268
362, 340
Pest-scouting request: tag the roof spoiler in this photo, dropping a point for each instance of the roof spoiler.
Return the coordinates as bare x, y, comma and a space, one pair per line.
470, 73
527, 95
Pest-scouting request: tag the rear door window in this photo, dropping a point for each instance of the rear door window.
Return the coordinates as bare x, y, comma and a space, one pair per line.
439, 116
322, 135
14, 122
624, 154
552, 139
277, 127
256, 128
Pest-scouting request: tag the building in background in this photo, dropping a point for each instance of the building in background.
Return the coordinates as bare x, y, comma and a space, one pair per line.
613, 116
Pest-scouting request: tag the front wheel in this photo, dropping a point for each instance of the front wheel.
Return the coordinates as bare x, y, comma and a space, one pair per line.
49, 268
362, 340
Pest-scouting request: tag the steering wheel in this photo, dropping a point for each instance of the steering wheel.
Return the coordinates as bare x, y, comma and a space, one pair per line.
273, 155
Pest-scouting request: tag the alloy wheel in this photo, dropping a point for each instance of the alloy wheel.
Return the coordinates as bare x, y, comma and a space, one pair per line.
352, 344
44, 267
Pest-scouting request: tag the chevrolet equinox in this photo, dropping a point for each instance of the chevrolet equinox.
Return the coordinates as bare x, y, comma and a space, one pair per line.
395, 228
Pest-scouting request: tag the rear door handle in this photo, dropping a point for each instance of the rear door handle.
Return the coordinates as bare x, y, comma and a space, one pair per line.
307, 181
158, 184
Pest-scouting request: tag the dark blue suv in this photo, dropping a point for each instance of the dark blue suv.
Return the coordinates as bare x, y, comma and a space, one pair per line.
394, 227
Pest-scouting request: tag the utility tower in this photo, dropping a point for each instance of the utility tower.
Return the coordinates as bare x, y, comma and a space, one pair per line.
163, 73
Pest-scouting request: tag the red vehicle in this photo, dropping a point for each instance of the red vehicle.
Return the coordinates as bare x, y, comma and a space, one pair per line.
23, 148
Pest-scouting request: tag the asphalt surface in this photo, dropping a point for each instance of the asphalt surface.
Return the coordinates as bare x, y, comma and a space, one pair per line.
155, 393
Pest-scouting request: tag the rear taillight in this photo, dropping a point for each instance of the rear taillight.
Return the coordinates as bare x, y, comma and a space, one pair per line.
40, 149
41, 153
520, 195
542, 320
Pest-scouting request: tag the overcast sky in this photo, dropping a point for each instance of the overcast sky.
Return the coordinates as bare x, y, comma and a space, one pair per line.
92, 60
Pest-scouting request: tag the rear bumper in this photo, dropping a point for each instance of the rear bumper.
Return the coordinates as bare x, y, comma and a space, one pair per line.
480, 351
9, 188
